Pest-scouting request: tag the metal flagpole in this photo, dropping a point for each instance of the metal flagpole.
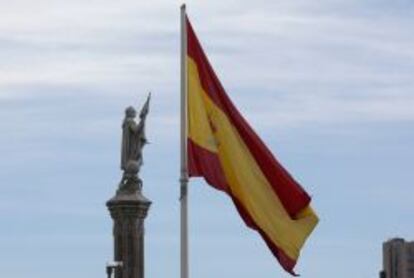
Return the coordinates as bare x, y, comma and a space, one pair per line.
184, 171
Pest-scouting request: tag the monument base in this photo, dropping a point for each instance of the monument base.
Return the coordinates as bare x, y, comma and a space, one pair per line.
128, 211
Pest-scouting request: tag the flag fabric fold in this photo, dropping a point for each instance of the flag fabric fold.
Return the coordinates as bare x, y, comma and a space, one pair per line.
225, 150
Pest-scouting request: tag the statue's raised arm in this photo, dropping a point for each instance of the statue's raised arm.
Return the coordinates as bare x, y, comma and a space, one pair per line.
133, 141
145, 108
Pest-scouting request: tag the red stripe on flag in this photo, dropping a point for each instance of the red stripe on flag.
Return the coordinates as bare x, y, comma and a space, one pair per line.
203, 163
285, 261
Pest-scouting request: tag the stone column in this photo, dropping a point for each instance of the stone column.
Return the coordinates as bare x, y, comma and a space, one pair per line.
128, 210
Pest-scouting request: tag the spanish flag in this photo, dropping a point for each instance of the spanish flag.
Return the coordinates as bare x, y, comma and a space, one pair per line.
224, 149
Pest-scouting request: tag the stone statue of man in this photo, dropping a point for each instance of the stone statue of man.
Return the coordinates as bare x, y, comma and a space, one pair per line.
133, 141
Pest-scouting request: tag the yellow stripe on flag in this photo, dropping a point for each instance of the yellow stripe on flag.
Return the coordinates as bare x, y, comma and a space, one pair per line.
244, 177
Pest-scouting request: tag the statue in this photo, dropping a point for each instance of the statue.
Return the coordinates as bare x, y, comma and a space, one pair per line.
133, 141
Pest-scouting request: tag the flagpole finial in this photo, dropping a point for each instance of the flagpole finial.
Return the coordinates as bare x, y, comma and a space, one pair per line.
183, 6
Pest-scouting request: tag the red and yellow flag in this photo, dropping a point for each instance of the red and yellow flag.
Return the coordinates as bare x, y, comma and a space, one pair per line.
225, 150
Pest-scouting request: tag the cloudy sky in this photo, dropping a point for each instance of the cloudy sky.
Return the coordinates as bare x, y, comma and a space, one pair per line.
328, 85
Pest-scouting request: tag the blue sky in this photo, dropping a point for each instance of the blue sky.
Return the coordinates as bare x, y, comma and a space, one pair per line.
327, 84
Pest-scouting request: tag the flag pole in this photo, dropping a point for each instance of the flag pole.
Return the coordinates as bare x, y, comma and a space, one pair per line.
184, 267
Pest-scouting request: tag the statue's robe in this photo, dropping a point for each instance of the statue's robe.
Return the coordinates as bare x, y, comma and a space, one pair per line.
133, 140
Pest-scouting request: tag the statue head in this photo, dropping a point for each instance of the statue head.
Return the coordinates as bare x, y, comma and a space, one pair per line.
130, 112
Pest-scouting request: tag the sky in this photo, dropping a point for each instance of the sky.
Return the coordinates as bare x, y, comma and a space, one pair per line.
327, 84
